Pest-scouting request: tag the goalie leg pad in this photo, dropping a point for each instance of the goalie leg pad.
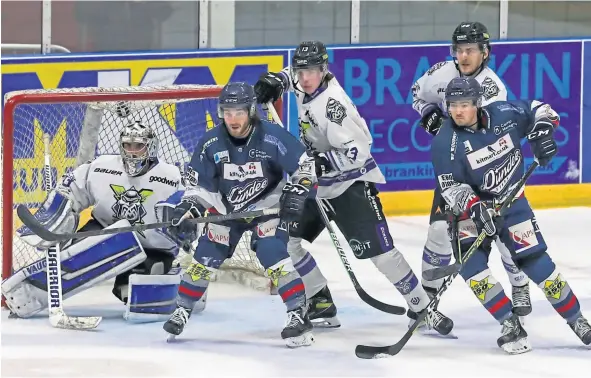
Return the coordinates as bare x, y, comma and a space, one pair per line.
85, 263
151, 298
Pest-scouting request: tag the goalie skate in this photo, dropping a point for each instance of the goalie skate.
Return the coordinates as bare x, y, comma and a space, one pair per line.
514, 338
176, 324
298, 331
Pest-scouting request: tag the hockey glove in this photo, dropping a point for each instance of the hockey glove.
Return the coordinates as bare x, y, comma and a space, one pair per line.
322, 164
269, 87
482, 215
432, 120
542, 141
292, 201
184, 232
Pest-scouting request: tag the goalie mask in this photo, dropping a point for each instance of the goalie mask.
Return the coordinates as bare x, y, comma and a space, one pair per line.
139, 148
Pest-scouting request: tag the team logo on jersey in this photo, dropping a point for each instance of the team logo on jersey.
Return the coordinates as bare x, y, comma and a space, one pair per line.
335, 111
244, 172
490, 153
490, 88
129, 203
240, 195
435, 67
495, 180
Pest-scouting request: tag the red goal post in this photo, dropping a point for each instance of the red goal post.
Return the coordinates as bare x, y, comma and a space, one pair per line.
83, 123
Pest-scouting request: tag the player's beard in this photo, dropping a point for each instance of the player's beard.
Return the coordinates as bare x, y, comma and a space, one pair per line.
240, 131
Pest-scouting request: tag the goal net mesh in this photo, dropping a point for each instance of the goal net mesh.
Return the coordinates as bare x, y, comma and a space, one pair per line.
87, 124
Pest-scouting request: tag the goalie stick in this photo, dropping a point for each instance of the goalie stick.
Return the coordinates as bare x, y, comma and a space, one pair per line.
57, 316
390, 309
369, 352
33, 224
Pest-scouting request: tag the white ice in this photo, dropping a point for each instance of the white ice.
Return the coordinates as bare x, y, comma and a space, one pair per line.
238, 334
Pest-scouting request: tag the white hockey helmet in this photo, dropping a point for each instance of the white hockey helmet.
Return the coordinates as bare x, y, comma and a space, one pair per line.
138, 145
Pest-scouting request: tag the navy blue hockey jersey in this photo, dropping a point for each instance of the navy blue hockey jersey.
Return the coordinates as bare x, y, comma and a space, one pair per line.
233, 177
486, 162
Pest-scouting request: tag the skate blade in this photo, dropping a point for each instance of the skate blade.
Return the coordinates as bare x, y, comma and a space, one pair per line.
431, 332
517, 347
170, 338
333, 322
306, 339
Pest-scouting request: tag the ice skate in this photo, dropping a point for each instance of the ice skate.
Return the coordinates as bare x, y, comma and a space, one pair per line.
514, 338
521, 301
321, 310
175, 325
582, 329
435, 320
298, 331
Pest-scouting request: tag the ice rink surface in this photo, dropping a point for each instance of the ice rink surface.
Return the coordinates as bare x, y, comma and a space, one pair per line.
238, 334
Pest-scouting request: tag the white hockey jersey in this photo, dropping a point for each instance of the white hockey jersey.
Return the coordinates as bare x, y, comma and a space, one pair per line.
330, 123
429, 89
114, 195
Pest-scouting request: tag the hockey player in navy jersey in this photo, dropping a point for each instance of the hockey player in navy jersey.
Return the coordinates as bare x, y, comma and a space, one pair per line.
471, 51
240, 166
478, 159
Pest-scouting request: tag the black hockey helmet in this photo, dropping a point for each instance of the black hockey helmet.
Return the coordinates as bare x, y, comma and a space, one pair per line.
463, 89
310, 54
471, 32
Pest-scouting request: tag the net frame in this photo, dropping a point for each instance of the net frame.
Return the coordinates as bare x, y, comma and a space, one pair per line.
101, 99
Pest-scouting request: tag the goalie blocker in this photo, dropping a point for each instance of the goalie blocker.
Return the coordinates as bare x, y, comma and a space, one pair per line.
145, 279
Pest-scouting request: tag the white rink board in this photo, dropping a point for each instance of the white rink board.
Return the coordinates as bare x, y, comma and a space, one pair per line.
238, 334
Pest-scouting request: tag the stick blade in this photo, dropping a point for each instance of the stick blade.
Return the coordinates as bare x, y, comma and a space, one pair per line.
63, 321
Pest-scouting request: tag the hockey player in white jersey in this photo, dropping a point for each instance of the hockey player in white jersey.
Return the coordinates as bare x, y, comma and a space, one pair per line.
471, 52
332, 129
123, 190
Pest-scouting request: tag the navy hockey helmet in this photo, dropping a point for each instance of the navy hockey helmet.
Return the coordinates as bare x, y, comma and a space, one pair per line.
463, 89
237, 95
310, 54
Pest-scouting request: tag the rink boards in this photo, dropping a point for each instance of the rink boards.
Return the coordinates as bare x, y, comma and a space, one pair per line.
378, 78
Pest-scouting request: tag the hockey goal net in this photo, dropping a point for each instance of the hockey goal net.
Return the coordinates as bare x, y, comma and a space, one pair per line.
82, 123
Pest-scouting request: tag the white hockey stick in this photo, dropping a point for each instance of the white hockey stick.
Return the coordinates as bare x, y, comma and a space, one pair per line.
57, 316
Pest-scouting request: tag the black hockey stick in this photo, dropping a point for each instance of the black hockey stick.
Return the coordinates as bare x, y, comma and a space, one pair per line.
444, 271
37, 228
390, 309
368, 352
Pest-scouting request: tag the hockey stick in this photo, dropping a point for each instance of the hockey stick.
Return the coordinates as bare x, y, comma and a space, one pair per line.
391, 309
444, 271
57, 316
368, 352
33, 224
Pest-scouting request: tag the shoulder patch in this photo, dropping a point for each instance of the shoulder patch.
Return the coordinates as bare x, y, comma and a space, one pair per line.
435, 67
490, 88
335, 111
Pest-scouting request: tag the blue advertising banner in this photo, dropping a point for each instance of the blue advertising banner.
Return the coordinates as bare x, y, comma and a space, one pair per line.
379, 80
